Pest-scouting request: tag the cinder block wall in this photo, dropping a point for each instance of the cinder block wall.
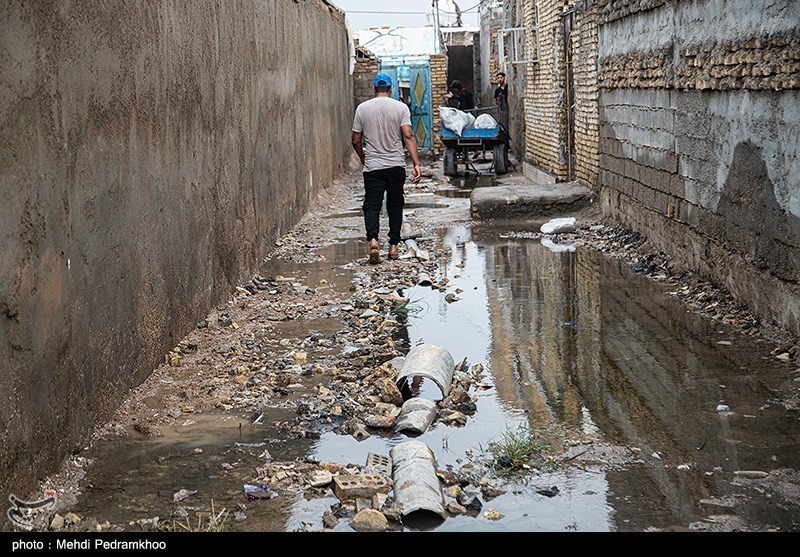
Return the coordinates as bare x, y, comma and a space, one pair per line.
150, 153
700, 136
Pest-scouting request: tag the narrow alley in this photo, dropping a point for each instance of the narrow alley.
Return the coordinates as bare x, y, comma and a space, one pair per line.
593, 324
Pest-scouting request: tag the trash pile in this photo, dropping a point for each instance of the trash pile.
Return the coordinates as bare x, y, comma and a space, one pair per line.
386, 490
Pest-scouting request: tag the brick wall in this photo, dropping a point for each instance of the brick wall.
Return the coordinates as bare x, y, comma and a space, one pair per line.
438, 90
545, 129
363, 79
587, 118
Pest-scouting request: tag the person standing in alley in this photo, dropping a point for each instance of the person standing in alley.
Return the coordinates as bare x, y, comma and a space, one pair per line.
460, 97
501, 98
380, 128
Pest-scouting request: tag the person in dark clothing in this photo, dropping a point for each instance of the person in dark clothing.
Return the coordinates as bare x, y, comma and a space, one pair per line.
460, 97
501, 98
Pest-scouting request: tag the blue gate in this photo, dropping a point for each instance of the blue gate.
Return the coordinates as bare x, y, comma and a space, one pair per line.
412, 80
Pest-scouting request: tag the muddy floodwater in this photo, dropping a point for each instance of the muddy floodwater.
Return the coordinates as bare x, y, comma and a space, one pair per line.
571, 339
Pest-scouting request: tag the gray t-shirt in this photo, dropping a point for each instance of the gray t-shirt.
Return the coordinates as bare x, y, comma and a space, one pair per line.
379, 119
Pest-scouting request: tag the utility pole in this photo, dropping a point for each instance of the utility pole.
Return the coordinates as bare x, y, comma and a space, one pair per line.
436, 26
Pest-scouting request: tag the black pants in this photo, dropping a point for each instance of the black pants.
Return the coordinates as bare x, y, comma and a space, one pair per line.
391, 181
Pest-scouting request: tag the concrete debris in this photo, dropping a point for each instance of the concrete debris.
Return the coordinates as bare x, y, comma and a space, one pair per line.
182, 494
492, 514
352, 486
369, 520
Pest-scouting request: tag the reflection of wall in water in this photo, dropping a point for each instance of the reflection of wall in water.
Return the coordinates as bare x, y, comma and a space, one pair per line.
534, 308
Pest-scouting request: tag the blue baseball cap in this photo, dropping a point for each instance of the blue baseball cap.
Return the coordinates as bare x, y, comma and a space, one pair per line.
383, 80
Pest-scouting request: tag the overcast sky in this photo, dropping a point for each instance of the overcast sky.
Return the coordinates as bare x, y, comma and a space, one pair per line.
375, 19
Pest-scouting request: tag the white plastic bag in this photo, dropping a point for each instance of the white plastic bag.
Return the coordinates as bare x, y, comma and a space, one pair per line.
485, 122
455, 120
557, 226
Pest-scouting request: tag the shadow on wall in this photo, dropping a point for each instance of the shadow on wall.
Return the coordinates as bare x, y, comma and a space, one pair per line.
750, 219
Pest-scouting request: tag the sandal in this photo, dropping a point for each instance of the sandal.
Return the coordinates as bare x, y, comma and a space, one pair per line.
374, 256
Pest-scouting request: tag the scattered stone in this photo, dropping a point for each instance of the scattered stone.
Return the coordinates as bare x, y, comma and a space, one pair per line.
453, 417
785, 357
369, 520
180, 513
182, 494
391, 510
723, 408
470, 501
57, 522
239, 516
363, 503
320, 478
548, 491
727, 502
492, 514
751, 474
725, 343
490, 492
448, 477
300, 357
390, 393
455, 508
71, 518
454, 491
329, 520
379, 422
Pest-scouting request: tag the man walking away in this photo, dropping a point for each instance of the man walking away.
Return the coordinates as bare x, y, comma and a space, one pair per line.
501, 98
380, 127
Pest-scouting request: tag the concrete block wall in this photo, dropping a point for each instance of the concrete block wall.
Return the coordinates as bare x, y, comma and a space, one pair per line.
699, 139
150, 154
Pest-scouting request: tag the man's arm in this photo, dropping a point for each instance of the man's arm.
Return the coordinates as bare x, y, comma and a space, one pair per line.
358, 146
411, 145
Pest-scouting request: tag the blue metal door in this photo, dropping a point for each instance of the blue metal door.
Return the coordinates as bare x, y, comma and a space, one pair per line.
421, 113
413, 77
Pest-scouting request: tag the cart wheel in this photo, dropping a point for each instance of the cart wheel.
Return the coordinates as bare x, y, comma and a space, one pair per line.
450, 167
500, 155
